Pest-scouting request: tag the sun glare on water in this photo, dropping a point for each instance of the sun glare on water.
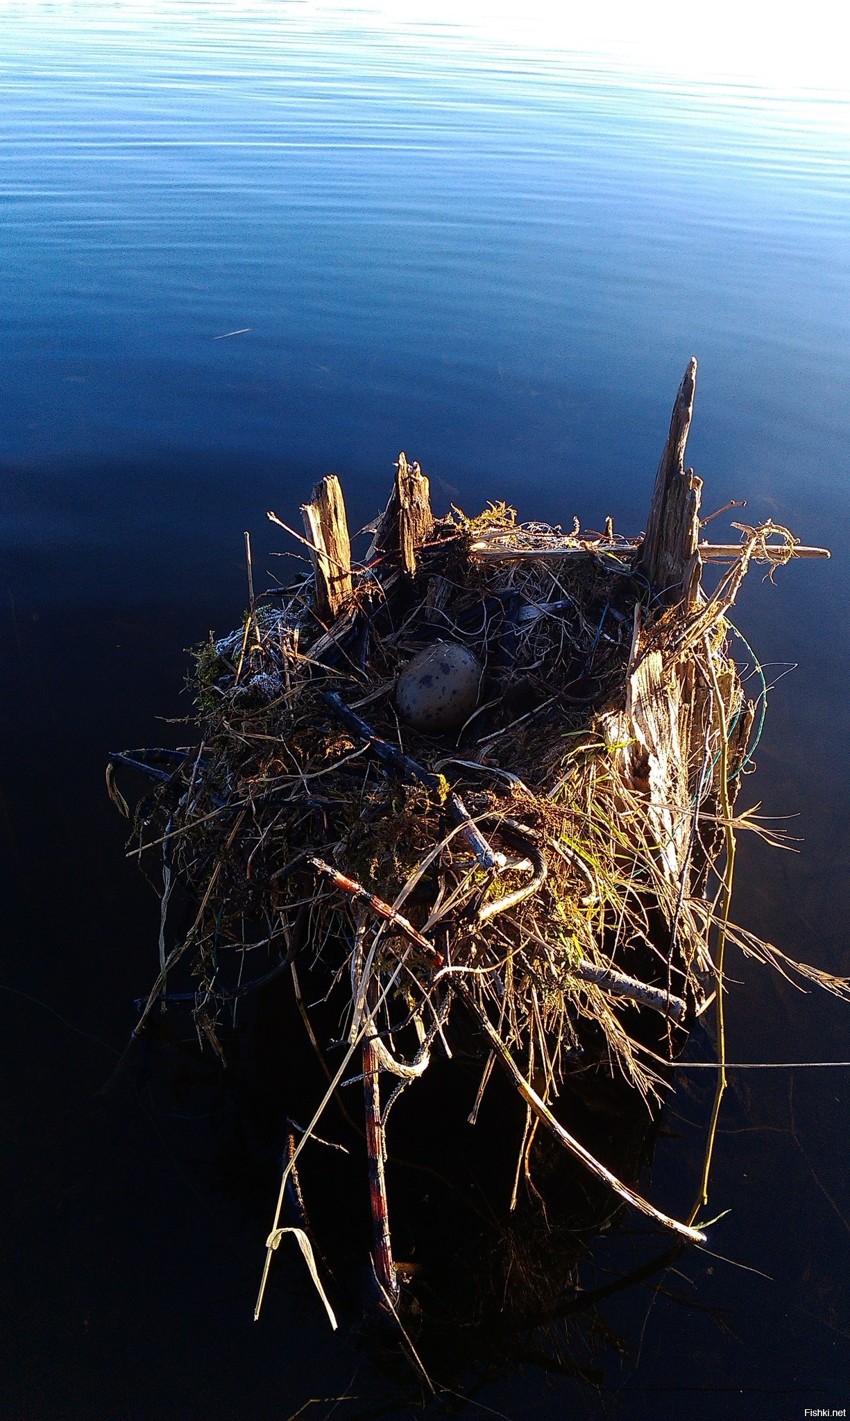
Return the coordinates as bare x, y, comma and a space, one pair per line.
780, 47
793, 57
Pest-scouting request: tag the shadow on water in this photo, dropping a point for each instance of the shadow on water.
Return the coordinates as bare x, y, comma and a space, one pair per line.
487, 1292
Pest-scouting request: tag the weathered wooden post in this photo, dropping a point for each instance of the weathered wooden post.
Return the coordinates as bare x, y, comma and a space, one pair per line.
326, 527
407, 521
668, 556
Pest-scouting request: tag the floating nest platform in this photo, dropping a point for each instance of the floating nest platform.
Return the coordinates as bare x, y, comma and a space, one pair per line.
480, 784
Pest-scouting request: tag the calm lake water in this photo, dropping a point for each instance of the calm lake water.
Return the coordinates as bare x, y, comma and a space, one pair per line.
241, 247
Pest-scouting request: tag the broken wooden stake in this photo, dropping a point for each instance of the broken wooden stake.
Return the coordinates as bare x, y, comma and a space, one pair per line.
669, 556
407, 521
326, 527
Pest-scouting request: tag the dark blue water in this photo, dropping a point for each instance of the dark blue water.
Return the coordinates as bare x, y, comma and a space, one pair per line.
240, 249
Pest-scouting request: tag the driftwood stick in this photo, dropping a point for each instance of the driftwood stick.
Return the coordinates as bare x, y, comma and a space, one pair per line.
389, 755
395, 760
619, 985
774, 552
327, 532
483, 551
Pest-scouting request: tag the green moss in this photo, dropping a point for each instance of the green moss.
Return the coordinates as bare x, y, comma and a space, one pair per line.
209, 667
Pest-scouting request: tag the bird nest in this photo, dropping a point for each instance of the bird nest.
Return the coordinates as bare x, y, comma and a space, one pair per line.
485, 776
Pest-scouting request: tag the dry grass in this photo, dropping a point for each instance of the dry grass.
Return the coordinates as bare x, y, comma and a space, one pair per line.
556, 871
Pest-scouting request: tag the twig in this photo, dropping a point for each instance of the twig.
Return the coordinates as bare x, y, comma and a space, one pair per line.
395, 760
726, 905
622, 986
487, 857
483, 551
472, 1118
317, 552
541, 1109
732, 503
250, 569
768, 552
163, 776
389, 755
385, 1271
274, 1237
177, 952
378, 905
511, 900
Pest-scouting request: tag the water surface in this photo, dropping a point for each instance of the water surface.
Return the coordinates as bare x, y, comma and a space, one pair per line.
242, 248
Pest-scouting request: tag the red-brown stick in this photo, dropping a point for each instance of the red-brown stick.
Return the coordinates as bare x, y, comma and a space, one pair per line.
383, 1249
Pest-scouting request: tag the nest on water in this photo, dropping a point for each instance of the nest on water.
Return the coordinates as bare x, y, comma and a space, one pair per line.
485, 775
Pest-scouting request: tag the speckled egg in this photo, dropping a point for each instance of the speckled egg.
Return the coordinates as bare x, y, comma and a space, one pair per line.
438, 688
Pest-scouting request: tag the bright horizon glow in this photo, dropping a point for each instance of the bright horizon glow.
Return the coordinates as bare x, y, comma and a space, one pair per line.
782, 49
772, 46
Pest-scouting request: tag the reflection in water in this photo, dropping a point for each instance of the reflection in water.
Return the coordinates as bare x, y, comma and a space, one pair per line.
492, 1289
485, 1289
